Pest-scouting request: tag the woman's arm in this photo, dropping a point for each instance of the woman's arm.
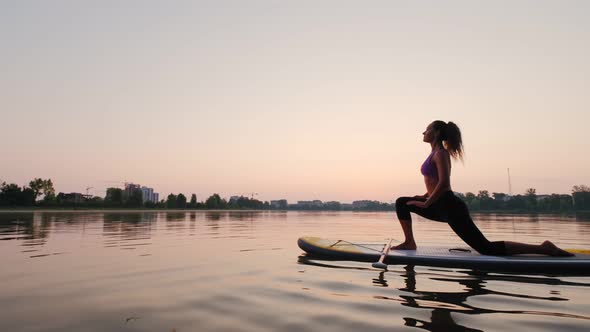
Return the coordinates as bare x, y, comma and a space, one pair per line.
442, 161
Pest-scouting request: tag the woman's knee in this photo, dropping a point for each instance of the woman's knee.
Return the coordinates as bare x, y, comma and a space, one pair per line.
402, 209
401, 202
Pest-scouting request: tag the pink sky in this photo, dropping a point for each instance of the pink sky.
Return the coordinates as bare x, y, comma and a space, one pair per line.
294, 100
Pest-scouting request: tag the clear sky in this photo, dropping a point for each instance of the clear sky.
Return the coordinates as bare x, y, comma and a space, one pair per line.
293, 99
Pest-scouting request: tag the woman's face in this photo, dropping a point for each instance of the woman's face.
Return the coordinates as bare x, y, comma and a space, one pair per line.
428, 134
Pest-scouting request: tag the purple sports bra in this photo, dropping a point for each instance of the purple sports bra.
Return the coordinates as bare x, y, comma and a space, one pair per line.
428, 169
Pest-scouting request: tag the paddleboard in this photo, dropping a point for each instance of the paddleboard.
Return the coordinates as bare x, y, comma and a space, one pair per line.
446, 257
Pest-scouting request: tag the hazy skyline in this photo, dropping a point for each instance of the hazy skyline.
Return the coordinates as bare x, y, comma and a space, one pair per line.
299, 100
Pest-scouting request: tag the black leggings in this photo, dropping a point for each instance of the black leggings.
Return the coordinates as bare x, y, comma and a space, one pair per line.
452, 210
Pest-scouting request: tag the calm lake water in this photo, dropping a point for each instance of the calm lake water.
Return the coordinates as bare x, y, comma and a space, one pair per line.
242, 271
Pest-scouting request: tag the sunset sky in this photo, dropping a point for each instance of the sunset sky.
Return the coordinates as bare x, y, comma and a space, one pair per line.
299, 100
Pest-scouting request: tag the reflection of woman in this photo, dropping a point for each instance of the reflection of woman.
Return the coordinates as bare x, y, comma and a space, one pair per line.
440, 204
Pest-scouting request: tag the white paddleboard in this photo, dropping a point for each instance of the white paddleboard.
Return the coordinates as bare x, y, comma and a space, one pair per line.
446, 257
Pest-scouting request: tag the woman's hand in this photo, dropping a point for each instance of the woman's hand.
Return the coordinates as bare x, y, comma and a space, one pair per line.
419, 204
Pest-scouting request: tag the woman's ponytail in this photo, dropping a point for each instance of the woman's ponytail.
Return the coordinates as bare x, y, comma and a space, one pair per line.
449, 136
452, 135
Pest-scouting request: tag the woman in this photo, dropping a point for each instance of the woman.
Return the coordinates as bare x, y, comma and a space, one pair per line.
440, 204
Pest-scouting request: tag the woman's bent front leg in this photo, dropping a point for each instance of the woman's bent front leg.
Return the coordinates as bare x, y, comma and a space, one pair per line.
405, 220
409, 243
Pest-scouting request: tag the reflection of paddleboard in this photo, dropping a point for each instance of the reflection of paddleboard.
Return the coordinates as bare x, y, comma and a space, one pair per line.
446, 257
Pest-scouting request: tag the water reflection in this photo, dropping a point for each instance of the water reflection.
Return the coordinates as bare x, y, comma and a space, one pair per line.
245, 215
175, 216
213, 215
20, 227
445, 303
90, 269
582, 216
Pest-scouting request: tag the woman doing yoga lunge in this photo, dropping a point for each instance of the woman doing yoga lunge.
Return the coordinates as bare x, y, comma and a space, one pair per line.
440, 204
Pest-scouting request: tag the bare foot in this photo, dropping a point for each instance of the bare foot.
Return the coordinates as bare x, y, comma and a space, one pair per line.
553, 250
405, 246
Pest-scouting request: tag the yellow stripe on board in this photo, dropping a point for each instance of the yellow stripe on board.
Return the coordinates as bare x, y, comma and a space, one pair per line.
333, 245
579, 251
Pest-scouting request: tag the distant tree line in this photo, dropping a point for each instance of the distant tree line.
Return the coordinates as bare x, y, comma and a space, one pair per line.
41, 193
14, 195
116, 197
529, 201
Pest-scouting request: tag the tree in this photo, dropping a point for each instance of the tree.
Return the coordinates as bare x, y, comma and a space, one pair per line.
95, 202
181, 201
36, 185
482, 194
581, 197
44, 187
135, 199
193, 202
555, 202
48, 190
27, 197
499, 201
485, 202
517, 202
114, 197
9, 194
13, 195
215, 202
581, 189
472, 201
531, 198
171, 201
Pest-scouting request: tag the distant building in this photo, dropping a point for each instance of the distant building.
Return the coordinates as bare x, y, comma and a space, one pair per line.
72, 198
234, 199
147, 194
303, 204
310, 204
279, 204
317, 203
130, 188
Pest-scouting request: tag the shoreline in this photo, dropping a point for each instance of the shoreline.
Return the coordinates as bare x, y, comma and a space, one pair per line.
84, 209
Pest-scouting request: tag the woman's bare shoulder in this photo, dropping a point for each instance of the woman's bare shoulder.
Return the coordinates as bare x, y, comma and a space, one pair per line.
443, 157
441, 153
